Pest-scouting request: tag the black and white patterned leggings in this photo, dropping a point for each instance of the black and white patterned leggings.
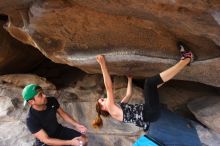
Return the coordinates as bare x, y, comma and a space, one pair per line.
151, 111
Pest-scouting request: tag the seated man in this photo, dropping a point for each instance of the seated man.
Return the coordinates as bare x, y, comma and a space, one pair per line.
42, 120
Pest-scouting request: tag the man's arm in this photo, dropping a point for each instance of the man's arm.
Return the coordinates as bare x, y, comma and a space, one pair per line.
107, 79
43, 137
67, 118
127, 97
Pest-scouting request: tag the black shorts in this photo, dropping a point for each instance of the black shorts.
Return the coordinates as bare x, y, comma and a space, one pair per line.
63, 133
67, 134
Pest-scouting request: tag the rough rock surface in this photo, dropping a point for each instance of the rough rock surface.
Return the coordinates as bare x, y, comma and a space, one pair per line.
138, 37
21, 80
206, 110
176, 94
207, 136
16, 57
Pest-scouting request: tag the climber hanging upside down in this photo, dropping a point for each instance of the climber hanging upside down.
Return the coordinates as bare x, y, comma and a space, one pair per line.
139, 114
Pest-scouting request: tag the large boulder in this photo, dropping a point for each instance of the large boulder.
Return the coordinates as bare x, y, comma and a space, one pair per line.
138, 37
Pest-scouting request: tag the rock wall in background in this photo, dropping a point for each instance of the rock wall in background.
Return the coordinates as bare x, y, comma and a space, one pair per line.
78, 99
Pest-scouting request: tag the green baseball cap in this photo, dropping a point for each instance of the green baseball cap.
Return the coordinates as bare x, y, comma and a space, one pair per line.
29, 92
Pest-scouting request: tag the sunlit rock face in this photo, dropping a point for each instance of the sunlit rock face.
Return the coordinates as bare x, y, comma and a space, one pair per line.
138, 37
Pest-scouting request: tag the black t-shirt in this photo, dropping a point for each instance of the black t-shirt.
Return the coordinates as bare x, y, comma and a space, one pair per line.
45, 120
